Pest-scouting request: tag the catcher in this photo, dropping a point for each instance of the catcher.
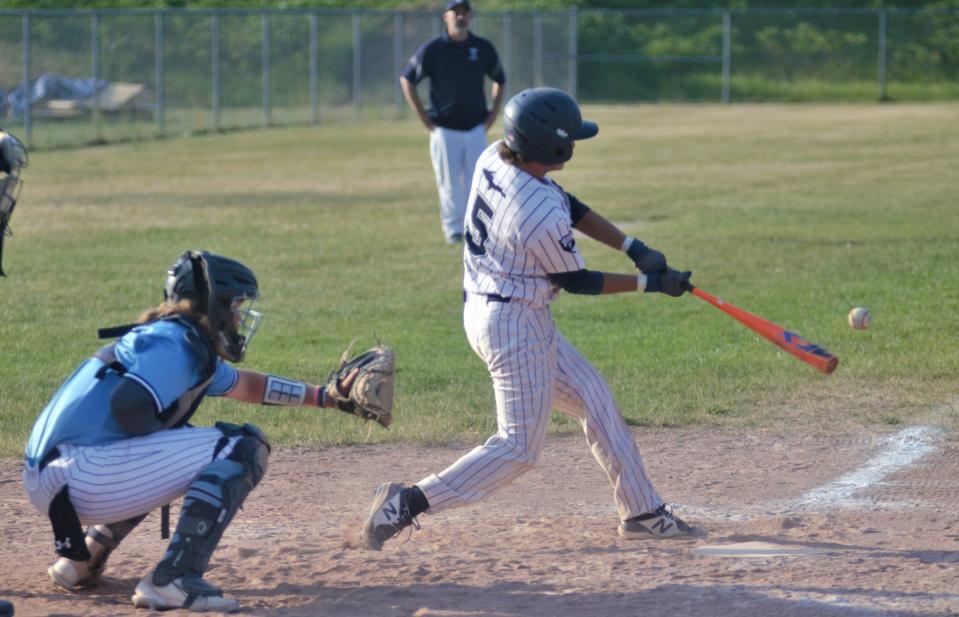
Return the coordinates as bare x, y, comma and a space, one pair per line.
114, 443
13, 158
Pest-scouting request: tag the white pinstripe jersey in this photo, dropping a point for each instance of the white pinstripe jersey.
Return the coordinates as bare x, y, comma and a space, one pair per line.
518, 231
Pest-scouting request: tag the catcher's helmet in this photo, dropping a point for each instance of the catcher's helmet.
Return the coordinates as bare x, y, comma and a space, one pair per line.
218, 286
542, 124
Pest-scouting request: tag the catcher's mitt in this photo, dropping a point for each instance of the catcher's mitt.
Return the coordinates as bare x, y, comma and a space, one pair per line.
371, 393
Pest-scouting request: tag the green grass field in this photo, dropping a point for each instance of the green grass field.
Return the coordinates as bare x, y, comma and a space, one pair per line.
796, 213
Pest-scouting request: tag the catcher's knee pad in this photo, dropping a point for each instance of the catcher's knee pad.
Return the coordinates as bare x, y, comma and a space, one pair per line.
252, 449
253, 453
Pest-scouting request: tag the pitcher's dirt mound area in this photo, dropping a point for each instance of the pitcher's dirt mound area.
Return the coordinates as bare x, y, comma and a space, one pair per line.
863, 523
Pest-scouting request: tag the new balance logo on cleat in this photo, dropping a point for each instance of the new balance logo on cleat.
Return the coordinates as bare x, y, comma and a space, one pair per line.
390, 511
662, 525
659, 524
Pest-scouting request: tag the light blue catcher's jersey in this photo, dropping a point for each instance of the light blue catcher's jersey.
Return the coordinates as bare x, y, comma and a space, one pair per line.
159, 356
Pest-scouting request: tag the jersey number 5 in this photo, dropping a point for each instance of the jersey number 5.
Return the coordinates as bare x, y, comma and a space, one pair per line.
481, 215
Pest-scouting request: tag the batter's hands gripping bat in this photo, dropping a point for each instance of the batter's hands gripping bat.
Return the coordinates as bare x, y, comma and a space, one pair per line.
810, 353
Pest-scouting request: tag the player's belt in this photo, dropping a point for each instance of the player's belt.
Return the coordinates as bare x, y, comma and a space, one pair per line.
489, 297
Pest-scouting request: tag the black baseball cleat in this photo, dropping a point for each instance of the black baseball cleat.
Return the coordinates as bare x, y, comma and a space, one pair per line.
661, 523
389, 514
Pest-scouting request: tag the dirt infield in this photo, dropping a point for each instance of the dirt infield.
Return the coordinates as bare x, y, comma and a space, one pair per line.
859, 523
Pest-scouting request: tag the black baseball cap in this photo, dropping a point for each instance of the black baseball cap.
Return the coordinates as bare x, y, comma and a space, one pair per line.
454, 4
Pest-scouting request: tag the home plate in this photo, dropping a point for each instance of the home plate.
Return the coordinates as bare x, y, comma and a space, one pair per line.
755, 549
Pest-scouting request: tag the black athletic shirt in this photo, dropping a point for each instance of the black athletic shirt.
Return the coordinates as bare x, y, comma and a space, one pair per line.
456, 71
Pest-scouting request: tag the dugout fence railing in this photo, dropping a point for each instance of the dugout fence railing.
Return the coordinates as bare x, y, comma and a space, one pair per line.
174, 71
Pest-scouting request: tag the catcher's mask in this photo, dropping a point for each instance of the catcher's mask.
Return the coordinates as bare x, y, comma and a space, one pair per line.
13, 158
224, 290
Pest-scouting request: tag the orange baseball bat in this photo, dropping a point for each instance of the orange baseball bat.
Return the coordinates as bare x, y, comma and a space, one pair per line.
810, 353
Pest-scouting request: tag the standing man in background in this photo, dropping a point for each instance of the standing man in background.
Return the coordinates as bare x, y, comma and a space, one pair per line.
458, 119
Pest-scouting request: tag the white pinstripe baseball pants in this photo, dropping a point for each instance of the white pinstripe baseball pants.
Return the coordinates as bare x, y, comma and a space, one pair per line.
534, 368
119, 480
454, 155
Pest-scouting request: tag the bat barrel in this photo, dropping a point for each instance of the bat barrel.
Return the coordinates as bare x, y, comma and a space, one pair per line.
810, 353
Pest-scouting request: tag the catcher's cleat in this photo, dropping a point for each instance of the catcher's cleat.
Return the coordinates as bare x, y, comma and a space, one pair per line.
389, 515
72, 575
189, 592
659, 524
101, 541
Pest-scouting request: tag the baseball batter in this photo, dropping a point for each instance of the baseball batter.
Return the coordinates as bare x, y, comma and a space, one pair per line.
519, 253
114, 442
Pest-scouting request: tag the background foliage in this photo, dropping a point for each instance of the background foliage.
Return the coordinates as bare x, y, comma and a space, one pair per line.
815, 51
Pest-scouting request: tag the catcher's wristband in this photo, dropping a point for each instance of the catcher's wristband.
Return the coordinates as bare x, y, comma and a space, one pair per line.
321, 396
286, 392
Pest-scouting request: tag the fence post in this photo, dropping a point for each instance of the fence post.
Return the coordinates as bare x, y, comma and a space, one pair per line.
215, 69
508, 53
397, 61
158, 69
266, 69
95, 68
27, 123
314, 70
572, 65
357, 65
537, 50
882, 55
727, 53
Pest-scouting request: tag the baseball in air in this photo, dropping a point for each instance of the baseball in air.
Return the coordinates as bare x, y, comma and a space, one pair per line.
859, 318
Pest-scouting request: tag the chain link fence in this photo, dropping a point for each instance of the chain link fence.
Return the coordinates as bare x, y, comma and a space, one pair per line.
75, 77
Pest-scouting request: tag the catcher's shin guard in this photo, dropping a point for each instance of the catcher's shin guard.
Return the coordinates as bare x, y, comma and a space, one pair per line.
101, 540
210, 504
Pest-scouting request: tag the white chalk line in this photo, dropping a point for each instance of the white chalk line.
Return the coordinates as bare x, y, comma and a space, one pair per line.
898, 452
902, 450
